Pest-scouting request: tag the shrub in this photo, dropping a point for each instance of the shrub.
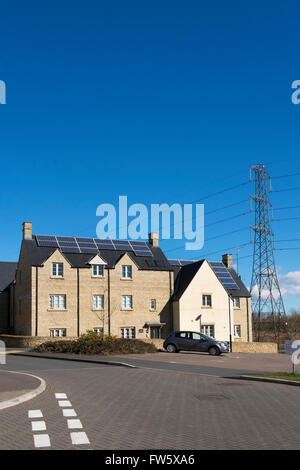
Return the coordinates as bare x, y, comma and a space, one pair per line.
88, 345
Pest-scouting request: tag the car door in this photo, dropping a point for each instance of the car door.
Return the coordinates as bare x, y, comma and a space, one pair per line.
199, 342
182, 340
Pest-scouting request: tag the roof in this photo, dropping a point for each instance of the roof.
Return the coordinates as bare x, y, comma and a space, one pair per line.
187, 273
39, 254
7, 274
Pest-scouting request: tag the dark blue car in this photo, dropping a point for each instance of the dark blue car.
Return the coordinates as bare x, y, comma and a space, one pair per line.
194, 341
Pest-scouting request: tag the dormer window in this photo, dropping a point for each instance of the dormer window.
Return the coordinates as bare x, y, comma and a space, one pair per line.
97, 270
57, 269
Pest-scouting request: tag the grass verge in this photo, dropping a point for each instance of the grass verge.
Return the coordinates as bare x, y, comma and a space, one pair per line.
281, 375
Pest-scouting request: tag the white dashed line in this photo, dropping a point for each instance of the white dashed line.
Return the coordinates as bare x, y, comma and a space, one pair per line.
60, 395
69, 412
64, 403
41, 440
74, 424
38, 425
35, 414
79, 438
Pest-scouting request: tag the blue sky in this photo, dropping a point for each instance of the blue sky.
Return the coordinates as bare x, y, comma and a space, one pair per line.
163, 102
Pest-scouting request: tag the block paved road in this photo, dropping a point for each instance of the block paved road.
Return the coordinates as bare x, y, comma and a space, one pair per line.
147, 408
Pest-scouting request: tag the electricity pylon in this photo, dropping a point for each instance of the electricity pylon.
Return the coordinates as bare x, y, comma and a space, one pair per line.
267, 300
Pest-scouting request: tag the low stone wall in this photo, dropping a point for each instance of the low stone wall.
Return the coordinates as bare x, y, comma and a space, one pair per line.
13, 341
266, 348
158, 343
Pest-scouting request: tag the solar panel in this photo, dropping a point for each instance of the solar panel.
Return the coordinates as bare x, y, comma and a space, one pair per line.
174, 262
223, 275
65, 239
45, 237
67, 249
48, 243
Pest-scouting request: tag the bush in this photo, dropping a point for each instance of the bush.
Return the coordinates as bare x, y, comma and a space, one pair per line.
88, 345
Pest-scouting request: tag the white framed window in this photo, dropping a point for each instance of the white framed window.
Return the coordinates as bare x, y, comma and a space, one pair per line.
58, 332
208, 330
57, 302
126, 272
57, 269
97, 270
126, 302
236, 302
237, 331
98, 302
128, 332
153, 304
206, 300
98, 330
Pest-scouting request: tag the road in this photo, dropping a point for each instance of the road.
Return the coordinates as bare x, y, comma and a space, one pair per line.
161, 407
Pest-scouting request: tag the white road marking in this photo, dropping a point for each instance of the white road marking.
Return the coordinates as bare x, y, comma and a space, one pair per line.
74, 424
60, 395
69, 412
64, 403
38, 426
79, 438
35, 414
41, 440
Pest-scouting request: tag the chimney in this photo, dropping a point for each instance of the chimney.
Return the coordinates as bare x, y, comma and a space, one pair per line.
27, 230
227, 260
153, 238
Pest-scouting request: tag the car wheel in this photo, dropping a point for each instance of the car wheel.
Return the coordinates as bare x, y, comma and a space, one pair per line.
214, 351
171, 348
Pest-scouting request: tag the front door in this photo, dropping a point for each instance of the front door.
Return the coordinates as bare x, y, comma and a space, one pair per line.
154, 332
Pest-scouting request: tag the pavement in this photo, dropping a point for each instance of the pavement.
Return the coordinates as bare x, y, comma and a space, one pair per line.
162, 407
14, 385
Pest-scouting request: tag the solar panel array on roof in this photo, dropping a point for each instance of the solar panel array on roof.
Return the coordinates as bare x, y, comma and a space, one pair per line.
180, 262
92, 245
223, 275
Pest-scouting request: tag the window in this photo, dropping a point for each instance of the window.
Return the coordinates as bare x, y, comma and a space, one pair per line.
98, 330
208, 330
126, 272
57, 269
128, 332
58, 332
237, 331
57, 302
236, 302
196, 336
182, 334
97, 270
126, 302
206, 300
98, 302
153, 304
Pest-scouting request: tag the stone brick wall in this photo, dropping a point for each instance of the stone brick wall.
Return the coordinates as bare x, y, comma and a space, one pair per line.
14, 341
268, 348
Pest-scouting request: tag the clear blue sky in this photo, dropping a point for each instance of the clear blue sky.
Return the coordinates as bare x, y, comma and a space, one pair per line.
163, 101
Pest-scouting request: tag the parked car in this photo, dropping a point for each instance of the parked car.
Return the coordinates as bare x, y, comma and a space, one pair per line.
194, 341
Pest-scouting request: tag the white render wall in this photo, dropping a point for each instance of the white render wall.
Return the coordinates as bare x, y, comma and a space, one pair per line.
190, 305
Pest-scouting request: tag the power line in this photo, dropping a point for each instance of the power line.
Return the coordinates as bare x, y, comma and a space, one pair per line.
285, 176
283, 190
287, 207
